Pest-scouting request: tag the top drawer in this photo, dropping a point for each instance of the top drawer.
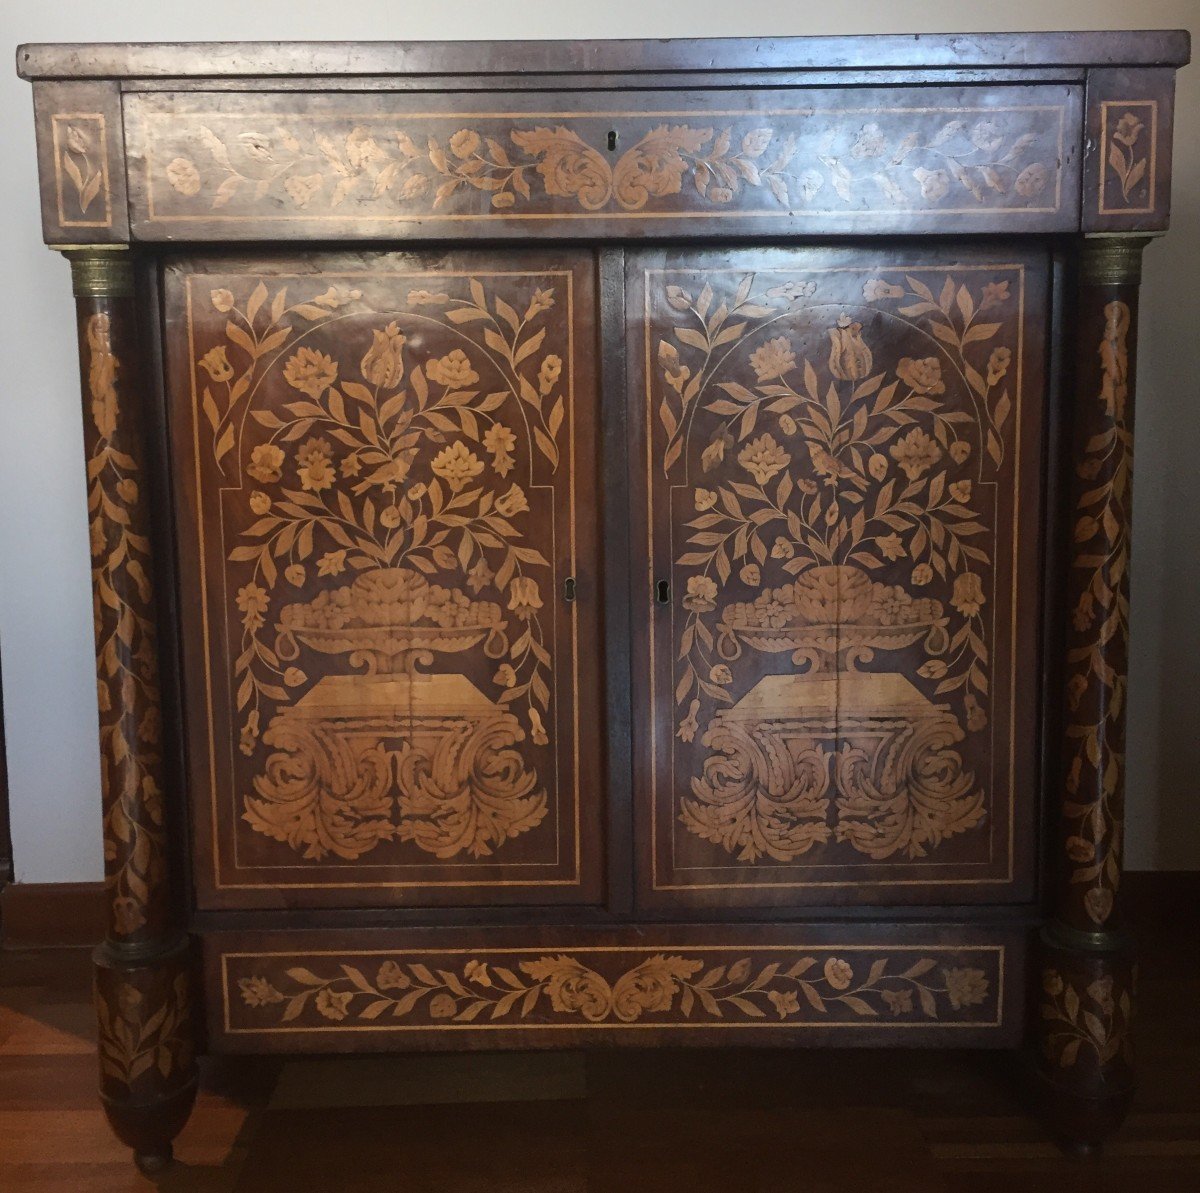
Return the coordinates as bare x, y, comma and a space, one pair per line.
259, 165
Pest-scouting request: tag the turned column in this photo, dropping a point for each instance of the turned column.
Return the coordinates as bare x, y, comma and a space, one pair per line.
142, 976
1088, 971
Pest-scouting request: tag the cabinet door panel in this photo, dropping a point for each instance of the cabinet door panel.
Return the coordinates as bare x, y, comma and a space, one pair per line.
382, 469
837, 488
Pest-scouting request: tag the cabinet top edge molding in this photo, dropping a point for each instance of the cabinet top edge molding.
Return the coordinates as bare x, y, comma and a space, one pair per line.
284, 59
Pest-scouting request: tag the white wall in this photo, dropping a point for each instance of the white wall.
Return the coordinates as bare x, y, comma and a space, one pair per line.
45, 614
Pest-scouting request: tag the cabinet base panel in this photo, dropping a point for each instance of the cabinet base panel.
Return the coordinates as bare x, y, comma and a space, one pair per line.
833, 984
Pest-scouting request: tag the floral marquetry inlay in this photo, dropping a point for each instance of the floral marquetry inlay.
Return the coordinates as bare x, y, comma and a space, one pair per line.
388, 458
839, 449
613, 988
940, 155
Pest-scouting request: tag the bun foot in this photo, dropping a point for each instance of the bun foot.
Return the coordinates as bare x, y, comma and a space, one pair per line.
152, 1163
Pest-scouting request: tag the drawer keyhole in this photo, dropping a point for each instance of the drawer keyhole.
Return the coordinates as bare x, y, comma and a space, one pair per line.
569, 588
662, 591
612, 141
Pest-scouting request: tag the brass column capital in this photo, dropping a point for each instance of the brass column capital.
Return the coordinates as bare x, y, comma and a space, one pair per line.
1112, 260
100, 270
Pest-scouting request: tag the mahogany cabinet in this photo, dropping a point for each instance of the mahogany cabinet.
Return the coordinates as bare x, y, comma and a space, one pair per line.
610, 543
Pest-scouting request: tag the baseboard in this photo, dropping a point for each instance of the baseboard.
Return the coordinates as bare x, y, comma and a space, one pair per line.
42, 915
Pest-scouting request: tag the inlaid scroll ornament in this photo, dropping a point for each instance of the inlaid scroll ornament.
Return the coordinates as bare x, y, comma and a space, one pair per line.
126, 648
399, 485
792, 989
809, 476
890, 159
1098, 636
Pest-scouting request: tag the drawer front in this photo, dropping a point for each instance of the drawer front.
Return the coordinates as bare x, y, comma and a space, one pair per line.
453, 988
220, 166
838, 493
382, 468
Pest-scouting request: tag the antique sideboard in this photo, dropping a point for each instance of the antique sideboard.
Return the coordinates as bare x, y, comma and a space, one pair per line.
610, 543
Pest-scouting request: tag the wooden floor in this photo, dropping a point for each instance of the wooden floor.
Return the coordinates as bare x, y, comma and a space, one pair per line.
661, 1121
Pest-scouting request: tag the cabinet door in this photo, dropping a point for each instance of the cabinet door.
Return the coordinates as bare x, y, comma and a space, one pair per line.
837, 501
383, 467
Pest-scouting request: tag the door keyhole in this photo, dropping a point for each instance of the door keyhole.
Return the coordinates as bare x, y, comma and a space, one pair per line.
663, 592
569, 588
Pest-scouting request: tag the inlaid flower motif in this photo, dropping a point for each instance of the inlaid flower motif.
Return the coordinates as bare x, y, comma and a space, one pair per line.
916, 453
701, 594
464, 142
505, 676
302, 187
500, 443
1080, 851
477, 972
899, 1002
965, 987
838, 973
259, 502
1098, 903
960, 450
543, 300
998, 364
389, 518
536, 728
258, 992
442, 1006
1052, 982
705, 499
524, 598
785, 1002
392, 977
351, 465
987, 135
751, 575
216, 364
222, 299
763, 458
935, 184
922, 574
295, 573
512, 503
332, 563
968, 596
252, 601
877, 466
870, 142
721, 674
976, 717
782, 548
549, 374
890, 546
383, 364
310, 371
773, 359
1032, 180
183, 175
334, 1004
687, 727
1128, 129
877, 288
456, 465
293, 677
675, 372
922, 376
315, 465
994, 293
849, 357
453, 370
249, 733
480, 576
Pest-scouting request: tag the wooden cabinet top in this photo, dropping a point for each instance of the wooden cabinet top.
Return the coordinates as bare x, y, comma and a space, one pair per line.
300, 59
616, 140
